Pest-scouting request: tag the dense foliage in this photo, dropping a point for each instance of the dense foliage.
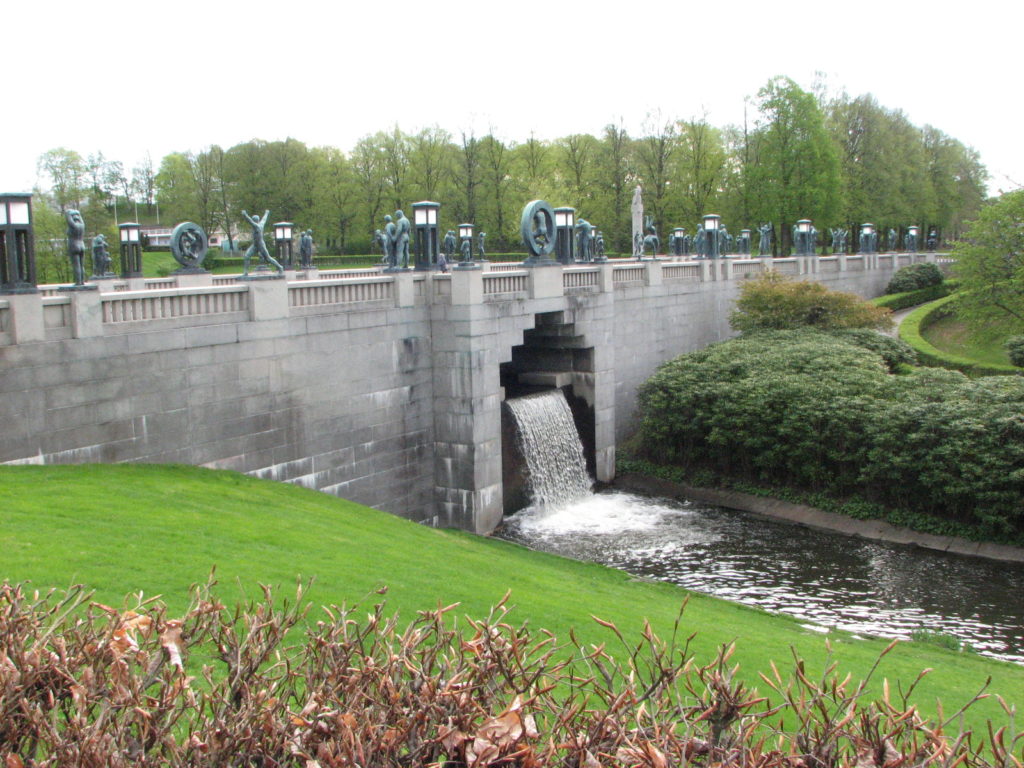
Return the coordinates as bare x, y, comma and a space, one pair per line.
820, 411
1015, 350
774, 302
839, 161
914, 277
108, 687
990, 263
897, 301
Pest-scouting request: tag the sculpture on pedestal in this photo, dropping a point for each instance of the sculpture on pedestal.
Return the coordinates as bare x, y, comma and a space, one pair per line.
537, 229
76, 244
401, 240
259, 247
189, 245
306, 249
100, 257
764, 247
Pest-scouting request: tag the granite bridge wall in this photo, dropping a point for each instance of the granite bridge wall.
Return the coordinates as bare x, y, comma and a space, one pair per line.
381, 388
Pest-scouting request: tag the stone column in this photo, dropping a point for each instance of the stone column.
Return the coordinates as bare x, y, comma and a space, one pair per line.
268, 298
467, 413
26, 315
86, 314
652, 273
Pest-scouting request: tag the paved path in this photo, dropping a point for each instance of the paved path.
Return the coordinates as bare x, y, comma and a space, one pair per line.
897, 318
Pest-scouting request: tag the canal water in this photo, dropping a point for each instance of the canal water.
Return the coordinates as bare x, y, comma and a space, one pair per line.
825, 579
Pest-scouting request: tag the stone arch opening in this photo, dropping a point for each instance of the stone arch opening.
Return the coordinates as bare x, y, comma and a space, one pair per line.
553, 355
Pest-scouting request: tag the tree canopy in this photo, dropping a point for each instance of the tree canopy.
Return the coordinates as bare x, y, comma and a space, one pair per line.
839, 162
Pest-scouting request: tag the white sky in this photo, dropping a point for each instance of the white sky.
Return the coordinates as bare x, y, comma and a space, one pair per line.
213, 72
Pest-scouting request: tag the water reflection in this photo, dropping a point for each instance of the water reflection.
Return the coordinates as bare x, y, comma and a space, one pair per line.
828, 579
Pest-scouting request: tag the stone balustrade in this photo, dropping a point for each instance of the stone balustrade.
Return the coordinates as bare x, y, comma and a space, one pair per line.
120, 306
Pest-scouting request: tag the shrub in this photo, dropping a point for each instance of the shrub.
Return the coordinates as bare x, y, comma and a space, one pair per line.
88, 685
1015, 349
915, 277
774, 302
898, 301
820, 411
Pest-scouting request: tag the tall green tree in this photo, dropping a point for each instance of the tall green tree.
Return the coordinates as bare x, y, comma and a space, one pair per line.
656, 153
990, 264
798, 166
66, 172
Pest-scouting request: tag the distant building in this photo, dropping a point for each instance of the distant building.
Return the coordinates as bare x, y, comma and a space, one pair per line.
161, 236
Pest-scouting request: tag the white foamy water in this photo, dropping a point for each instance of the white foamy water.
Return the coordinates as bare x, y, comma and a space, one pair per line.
557, 469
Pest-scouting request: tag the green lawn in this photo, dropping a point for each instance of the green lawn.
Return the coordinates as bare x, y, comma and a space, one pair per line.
157, 529
952, 335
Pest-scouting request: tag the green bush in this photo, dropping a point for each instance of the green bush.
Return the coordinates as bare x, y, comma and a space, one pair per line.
1015, 349
775, 302
898, 301
821, 412
915, 277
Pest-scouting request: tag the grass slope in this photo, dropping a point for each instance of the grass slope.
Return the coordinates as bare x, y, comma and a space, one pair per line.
125, 528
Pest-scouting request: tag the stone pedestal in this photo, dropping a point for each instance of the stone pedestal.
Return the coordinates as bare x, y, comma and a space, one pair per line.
268, 297
26, 317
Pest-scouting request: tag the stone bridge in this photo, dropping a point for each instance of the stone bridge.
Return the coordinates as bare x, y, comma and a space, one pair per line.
381, 388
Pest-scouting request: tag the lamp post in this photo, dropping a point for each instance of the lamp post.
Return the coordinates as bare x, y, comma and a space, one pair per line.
712, 223
130, 235
867, 238
424, 216
803, 237
745, 242
565, 222
17, 245
678, 238
283, 238
466, 247
912, 234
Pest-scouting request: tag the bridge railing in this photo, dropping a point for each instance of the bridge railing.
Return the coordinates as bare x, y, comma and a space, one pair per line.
124, 306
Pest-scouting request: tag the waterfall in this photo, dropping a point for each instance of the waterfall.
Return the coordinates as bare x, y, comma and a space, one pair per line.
551, 445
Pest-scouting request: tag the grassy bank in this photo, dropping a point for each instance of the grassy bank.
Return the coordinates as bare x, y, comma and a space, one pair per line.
158, 529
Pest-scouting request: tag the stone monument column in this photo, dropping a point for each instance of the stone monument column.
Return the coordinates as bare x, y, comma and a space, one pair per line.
637, 209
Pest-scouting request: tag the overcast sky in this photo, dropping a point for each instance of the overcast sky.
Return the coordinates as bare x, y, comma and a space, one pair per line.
127, 77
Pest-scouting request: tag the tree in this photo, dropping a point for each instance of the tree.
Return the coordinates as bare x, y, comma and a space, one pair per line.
496, 159
336, 191
774, 302
655, 155
613, 170
66, 172
430, 161
990, 264
798, 167
702, 166
144, 182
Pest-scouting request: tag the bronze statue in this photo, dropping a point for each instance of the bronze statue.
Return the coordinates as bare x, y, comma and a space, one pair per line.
306, 249
259, 247
100, 256
76, 244
401, 241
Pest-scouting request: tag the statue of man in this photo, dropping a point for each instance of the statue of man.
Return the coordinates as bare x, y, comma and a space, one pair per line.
583, 239
480, 240
258, 247
892, 239
100, 256
76, 244
306, 249
765, 244
467, 250
449, 244
700, 242
599, 244
388, 241
402, 229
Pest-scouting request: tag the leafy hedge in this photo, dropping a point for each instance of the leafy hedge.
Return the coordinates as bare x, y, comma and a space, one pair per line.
915, 277
89, 685
897, 301
917, 321
820, 411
